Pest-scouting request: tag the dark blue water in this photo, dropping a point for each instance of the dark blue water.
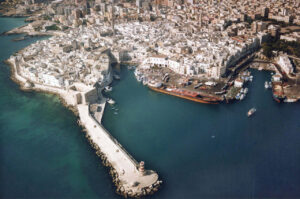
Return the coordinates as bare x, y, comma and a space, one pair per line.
199, 151
211, 150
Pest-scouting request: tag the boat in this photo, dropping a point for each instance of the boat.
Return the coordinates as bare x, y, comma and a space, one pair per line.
220, 92
139, 78
198, 85
266, 85
189, 95
242, 96
290, 100
145, 81
246, 90
131, 67
155, 84
108, 88
117, 77
251, 112
111, 101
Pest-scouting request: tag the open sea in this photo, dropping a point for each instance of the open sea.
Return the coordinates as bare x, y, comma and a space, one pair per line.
199, 150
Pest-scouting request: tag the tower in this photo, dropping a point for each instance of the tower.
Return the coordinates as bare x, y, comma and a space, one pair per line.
142, 167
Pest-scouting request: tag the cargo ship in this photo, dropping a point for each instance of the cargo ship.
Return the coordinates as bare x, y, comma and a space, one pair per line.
189, 95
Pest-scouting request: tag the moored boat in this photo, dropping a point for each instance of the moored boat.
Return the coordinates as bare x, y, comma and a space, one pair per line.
116, 77
111, 101
108, 88
266, 85
190, 95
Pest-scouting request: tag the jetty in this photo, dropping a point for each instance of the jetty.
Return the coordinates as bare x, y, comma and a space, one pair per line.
129, 176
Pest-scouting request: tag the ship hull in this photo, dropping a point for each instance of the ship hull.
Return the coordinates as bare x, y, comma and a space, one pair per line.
195, 99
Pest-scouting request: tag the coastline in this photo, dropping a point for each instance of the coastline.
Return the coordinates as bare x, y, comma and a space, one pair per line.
134, 183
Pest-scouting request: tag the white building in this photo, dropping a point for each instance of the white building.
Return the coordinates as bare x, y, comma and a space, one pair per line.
285, 64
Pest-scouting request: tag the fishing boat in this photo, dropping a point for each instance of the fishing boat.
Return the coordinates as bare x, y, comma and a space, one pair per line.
251, 112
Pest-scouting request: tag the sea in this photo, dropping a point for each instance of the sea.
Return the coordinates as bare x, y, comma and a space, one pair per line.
198, 150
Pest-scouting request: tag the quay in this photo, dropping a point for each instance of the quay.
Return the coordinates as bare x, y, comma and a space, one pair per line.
130, 177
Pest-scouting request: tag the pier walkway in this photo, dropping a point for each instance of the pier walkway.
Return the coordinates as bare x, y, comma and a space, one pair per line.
132, 180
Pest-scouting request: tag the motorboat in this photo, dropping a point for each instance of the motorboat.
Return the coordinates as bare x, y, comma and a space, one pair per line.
251, 112
111, 101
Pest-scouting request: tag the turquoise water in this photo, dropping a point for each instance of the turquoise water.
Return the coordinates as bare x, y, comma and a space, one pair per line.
43, 153
199, 151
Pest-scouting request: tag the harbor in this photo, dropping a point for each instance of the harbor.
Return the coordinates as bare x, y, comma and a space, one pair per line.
48, 154
217, 133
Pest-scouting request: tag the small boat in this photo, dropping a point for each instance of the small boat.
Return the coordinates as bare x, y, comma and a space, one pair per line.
242, 96
251, 112
117, 77
139, 78
155, 84
266, 85
131, 67
116, 113
145, 81
246, 90
198, 85
290, 100
108, 88
111, 101
251, 78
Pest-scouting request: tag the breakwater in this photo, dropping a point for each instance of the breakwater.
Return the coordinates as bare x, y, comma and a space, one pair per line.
130, 177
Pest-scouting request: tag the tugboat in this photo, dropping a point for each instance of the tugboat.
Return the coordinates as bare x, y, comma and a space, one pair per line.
251, 112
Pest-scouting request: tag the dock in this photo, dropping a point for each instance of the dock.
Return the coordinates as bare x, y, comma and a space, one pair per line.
129, 176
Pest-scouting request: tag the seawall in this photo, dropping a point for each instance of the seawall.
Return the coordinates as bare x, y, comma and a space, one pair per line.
128, 175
